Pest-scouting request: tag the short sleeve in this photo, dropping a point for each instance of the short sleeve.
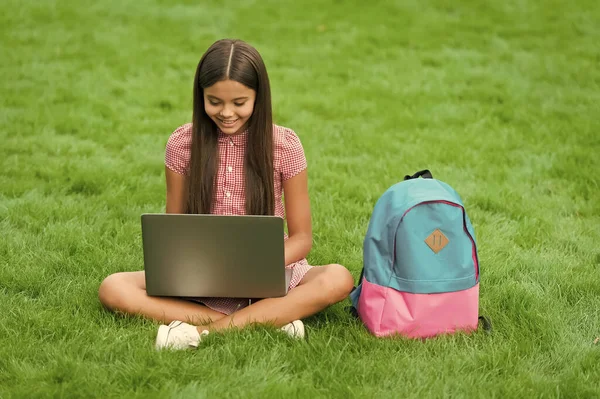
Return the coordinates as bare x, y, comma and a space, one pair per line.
293, 160
179, 150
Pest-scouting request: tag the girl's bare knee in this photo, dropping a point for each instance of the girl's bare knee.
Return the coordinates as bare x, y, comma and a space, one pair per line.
337, 283
345, 281
111, 291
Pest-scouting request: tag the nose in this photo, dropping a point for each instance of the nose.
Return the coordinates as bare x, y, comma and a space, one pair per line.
226, 112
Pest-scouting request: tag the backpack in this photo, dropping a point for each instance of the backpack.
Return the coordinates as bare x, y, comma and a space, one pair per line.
420, 274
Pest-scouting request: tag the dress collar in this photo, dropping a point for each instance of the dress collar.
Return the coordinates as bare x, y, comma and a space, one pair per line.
237, 139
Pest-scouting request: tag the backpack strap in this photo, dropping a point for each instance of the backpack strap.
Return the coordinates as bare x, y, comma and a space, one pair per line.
486, 324
362, 273
353, 312
351, 308
426, 174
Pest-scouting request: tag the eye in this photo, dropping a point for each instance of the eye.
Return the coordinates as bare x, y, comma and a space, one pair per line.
213, 102
239, 104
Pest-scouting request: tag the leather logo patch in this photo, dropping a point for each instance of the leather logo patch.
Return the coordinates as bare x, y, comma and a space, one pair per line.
437, 241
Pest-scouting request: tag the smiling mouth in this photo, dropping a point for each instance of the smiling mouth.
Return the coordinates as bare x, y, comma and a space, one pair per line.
228, 123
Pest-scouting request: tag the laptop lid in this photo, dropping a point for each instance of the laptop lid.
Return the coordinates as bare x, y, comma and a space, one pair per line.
214, 256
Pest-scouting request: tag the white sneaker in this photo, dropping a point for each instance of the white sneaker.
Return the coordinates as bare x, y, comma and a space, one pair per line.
295, 329
178, 335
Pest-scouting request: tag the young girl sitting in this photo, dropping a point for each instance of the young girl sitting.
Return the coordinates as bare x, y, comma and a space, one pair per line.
232, 160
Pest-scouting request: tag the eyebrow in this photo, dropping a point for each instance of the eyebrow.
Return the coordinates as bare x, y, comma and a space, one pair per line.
217, 98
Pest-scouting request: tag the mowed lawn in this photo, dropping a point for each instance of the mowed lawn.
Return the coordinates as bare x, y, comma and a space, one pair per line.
499, 99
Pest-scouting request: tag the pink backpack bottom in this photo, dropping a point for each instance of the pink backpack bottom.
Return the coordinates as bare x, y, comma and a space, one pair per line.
386, 311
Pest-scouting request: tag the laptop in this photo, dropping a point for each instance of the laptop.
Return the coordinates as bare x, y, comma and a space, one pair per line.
214, 256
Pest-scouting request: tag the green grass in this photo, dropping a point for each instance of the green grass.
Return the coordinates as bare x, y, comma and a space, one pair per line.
498, 99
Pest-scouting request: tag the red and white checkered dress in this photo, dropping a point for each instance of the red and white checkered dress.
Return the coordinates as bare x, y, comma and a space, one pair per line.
229, 198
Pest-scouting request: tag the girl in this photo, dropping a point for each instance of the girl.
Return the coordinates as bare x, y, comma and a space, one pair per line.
232, 160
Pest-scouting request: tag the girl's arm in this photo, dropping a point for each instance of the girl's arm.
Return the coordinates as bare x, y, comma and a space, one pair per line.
297, 209
176, 191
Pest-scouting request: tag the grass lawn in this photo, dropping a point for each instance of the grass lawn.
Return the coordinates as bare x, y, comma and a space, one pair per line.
499, 99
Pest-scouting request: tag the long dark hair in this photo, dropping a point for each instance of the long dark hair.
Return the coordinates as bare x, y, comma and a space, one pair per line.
235, 60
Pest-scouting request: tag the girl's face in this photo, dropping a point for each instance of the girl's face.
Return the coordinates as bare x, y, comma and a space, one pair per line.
229, 104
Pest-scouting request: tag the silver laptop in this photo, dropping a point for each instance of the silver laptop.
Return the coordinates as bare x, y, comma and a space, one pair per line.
214, 256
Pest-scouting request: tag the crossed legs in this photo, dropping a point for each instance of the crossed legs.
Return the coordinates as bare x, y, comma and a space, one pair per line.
319, 288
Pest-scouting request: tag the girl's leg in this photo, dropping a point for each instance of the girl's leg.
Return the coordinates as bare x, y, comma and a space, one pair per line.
320, 287
126, 293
